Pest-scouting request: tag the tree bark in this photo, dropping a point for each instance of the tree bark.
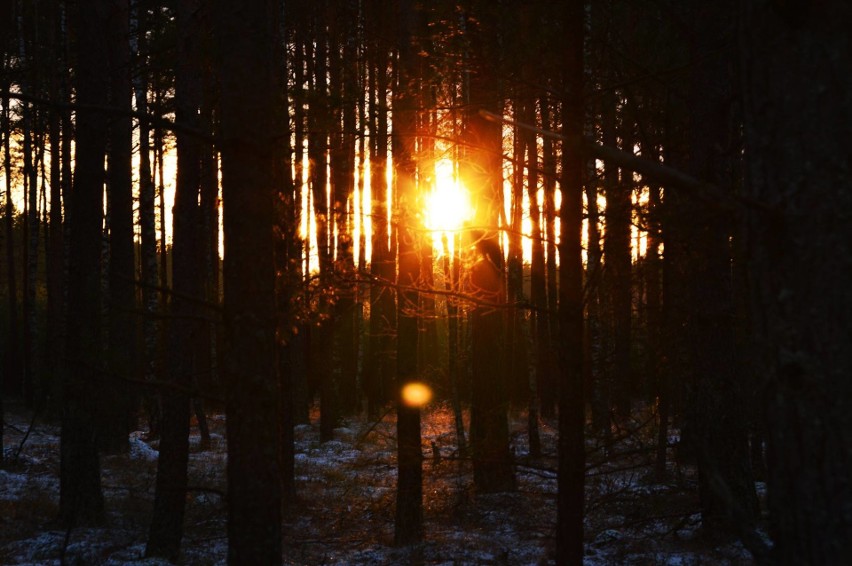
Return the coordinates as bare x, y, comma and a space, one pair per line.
483, 174
717, 396
571, 475
251, 152
80, 496
408, 526
797, 97
166, 530
118, 406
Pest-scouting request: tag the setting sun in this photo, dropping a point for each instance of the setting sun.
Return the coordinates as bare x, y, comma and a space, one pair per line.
447, 206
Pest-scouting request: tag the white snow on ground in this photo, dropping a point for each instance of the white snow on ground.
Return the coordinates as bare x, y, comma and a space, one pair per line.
139, 449
344, 514
12, 485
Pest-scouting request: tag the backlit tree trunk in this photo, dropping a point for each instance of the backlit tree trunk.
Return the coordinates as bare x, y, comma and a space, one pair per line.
483, 174
408, 526
80, 497
166, 529
571, 475
118, 405
251, 152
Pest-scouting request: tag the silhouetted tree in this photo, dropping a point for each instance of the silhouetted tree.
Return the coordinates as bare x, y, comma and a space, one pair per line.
80, 496
797, 100
572, 469
118, 404
408, 526
251, 147
184, 328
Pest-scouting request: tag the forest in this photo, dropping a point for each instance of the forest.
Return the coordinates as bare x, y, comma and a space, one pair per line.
409, 282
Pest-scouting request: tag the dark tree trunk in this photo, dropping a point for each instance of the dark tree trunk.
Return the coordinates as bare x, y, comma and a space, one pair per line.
147, 217
118, 404
166, 530
489, 438
549, 377
319, 123
55, 245
380, 373
538, 350
798, 106
31, 231
12, 370
408, 526
342, 154
653, 293
80, 497
297, 348
251, 156
617, 259
717, 399
571, 475
489, 427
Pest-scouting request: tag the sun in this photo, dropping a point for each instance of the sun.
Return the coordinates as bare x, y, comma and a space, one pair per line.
447, 205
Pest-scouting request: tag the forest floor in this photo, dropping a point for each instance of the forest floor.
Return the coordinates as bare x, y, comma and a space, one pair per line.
345, 508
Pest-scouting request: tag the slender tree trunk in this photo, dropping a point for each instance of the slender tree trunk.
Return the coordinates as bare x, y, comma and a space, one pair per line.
538, 348
55, 245
318, 142
3, 378
342, 155
166, 530
654, 288
298, 346
717, 397
147, 217
381, 369
571, 480
31, 233
408, 526
13, 358
80, 496
251, 153
118, 406
451, 273
548, 381
618, 260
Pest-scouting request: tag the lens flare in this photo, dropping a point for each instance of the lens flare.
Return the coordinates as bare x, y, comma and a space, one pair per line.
416, 394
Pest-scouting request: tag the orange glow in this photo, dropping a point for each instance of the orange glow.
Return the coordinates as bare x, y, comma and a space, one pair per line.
416, 394
447, 205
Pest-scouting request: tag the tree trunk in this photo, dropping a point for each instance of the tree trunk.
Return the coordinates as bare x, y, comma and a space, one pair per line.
13, 358
717, 398
571, 475
489, 436
251, 152
548, 378
166, 529
408, 525
55, 245
80, 497
147, 217
380, 372
798, 106
489, 427
318, 143
118, 407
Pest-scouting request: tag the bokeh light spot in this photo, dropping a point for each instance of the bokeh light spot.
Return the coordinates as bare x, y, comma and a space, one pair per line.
416, 394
